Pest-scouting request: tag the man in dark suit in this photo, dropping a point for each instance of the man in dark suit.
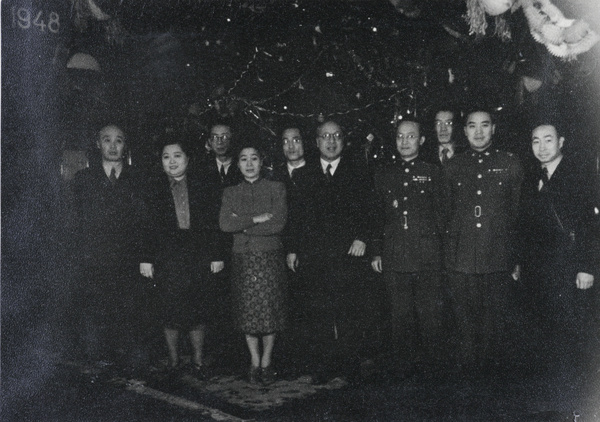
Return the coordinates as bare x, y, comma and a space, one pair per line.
221, 172
484, 186
218, 173
331, 251
561, 250
108, 213
295, 173
407, 248
446, 147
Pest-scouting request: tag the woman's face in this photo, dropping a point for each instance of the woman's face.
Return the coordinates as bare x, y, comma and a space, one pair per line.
174, 161
250, 163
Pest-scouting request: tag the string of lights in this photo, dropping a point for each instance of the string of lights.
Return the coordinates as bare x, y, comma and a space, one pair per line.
367, 74
335, 113
246, 70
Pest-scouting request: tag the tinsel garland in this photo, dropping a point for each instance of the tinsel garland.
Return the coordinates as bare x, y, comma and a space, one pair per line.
477, 19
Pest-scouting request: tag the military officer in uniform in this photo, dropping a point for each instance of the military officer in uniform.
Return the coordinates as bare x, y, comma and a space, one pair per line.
407, 247
484, 186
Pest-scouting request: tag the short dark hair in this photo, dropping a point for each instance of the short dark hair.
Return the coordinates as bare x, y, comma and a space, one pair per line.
111, 124
410, 119
330, 121
173, 138
250, 144
449, 109
222, 122
479, 109
544, 122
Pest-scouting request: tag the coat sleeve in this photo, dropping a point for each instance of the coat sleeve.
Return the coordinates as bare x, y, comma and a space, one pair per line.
363, 198
378, 221
150, 226
517, 184
229, 221
279, 210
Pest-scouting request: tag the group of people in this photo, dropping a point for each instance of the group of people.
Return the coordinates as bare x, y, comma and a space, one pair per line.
457, 235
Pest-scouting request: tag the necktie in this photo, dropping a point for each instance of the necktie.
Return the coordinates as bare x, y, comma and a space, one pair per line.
328, 172
445, 153
544, 178
222, 172
113, 176
292, 173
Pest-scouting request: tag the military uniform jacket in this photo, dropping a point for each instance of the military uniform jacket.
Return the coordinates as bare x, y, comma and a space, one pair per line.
409, 221
484, 191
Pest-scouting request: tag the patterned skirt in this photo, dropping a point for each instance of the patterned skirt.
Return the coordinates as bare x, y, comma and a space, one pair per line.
259, 292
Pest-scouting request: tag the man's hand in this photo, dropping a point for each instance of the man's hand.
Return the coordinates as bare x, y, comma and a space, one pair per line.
216, 266
292, 261
147, 270
584, 281
262, 218
358, 248
516, 274
376, 264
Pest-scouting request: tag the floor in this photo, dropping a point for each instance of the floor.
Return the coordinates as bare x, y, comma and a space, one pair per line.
73, 391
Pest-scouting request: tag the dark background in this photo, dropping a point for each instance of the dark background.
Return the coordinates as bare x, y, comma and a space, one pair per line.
179, 64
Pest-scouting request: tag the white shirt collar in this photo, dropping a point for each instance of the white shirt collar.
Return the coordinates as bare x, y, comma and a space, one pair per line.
292, 168
552, 166
449, 147
334, 164
226, 165
108, 166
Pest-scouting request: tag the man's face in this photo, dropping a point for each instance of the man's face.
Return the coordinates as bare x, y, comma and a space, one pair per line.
220, 140
293, 146
111, 141
479, 130
408, 140
330, 141
546, 144
443, 126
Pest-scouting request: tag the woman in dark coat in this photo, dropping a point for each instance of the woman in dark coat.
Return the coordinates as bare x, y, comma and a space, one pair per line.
255, 212
183, 244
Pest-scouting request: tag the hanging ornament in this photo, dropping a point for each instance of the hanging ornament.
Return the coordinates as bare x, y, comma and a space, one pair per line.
565, 38
531, 84
477, 19
496, 7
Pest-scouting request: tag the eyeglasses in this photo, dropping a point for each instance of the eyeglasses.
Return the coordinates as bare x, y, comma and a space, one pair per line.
401, 137
440, 123
294, 141
329, 136
216, 138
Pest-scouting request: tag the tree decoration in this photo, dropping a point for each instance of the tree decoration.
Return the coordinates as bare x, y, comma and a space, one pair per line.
496, 7
565, 38
477, 19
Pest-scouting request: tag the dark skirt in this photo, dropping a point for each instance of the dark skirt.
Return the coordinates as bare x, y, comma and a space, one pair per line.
185, 295
259, 292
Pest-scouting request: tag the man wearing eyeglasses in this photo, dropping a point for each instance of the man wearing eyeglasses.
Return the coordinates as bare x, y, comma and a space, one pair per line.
446, 146
221, 170
407, 248
294, 172
331, 251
